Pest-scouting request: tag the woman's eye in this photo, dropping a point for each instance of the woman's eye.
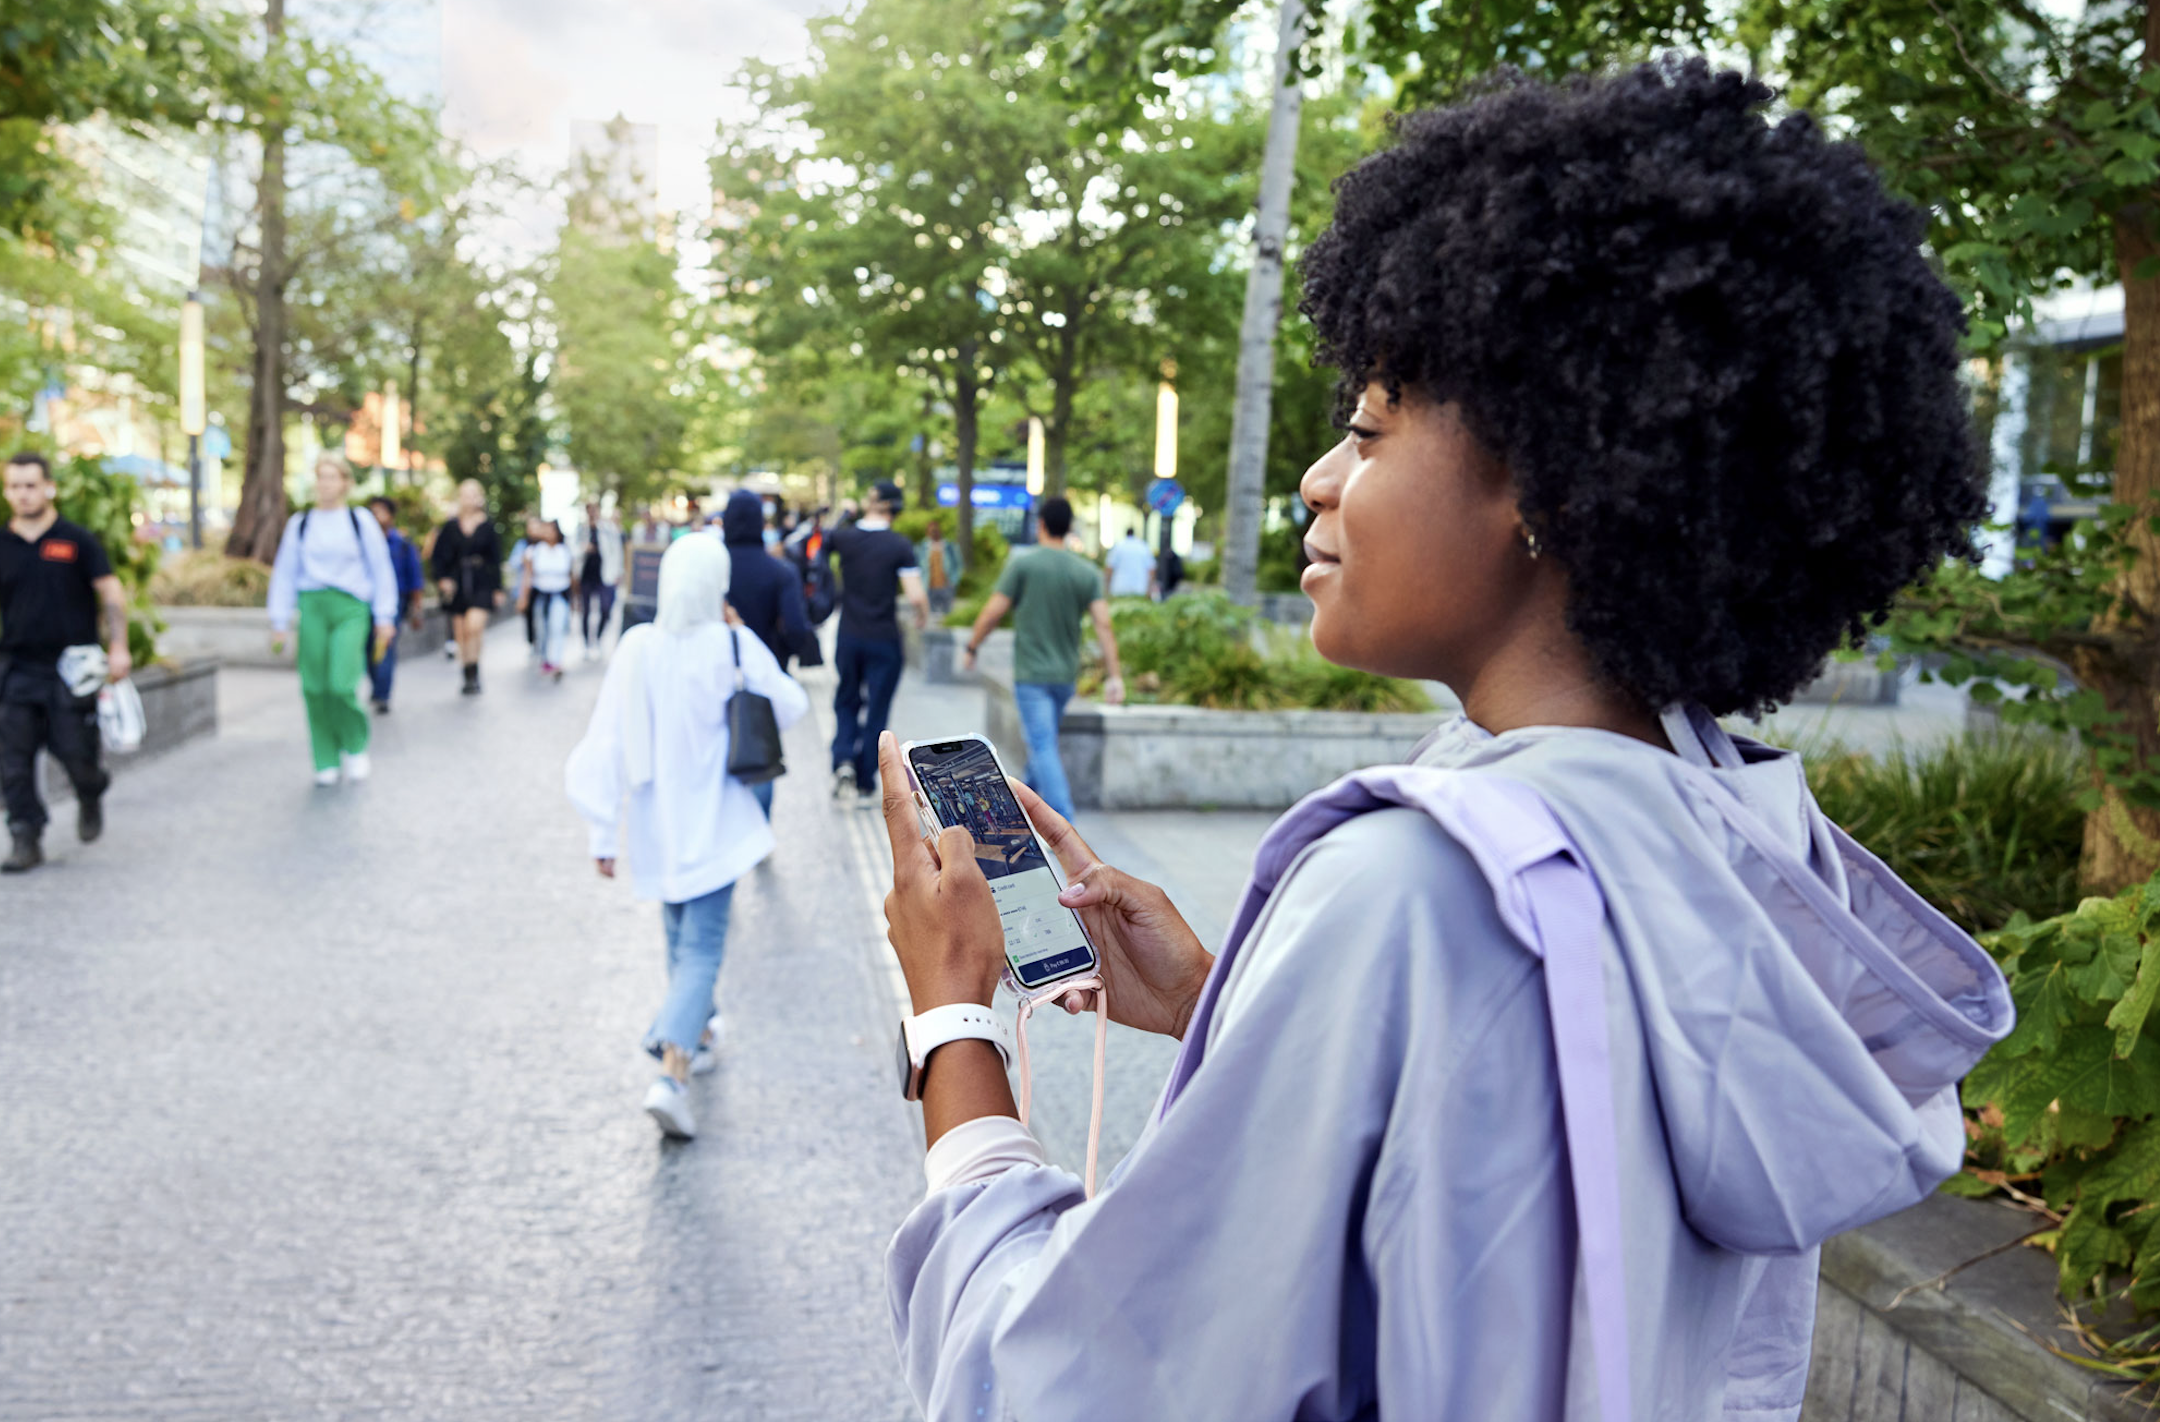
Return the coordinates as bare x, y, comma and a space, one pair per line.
1361, 434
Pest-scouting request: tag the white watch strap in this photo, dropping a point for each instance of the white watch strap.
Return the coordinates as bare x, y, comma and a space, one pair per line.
956, 1020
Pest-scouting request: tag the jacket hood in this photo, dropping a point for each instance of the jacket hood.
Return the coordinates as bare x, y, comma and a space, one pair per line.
1807, 1016
743, 518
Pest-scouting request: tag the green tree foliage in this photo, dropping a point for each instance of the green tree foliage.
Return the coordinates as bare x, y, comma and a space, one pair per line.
620, 384
500, 438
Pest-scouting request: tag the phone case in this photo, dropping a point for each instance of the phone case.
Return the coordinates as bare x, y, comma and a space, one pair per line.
1057, 871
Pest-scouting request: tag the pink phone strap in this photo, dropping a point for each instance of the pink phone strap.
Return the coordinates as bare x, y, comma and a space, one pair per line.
1028, 1004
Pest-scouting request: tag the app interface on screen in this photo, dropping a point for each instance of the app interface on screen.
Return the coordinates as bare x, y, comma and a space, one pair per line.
965, 787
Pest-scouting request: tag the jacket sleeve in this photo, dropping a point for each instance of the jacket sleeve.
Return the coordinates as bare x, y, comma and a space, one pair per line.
442, 562
762, 674
284, 597
593, 775
795, 626
1223, 1275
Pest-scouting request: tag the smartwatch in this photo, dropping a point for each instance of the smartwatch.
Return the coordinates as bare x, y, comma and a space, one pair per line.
925, 1033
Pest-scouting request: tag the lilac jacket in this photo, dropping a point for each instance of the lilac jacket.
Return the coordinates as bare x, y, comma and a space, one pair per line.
1355, 1199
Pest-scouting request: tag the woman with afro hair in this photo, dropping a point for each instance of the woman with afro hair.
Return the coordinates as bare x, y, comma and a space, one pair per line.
1532, 1073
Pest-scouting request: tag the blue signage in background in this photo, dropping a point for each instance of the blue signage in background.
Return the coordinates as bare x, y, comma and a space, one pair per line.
1164, 496
986, 496
1005, 506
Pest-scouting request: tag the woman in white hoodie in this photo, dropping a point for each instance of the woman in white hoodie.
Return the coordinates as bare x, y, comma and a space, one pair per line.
659, 740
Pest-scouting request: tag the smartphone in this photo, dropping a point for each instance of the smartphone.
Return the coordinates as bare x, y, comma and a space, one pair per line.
959, 782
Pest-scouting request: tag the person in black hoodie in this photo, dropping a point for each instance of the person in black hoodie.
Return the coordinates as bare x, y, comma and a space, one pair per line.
765, 591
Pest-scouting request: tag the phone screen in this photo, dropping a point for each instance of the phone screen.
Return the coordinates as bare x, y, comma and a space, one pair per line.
962, 782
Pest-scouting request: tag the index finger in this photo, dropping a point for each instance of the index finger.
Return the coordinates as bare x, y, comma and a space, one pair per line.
1064, 841
902, 826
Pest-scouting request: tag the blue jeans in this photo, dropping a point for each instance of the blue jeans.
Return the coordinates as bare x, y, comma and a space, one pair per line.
385, 670
552, 613
763, 791
696, 937
869, 670
1040, 705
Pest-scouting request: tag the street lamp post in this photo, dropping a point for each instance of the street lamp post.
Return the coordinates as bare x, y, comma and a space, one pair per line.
191, 406
389, 452
1165, 462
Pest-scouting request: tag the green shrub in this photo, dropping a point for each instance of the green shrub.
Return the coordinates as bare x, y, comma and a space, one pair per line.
1205, 650
210, 579
2063, 1109
1982, 827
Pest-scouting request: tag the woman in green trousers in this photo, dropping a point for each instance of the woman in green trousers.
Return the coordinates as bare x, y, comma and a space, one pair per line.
333, 570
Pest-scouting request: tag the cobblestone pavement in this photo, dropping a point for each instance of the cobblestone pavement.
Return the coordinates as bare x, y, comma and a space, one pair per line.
324, 1104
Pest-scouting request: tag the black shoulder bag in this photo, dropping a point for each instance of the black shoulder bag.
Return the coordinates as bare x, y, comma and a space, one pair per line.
753, 754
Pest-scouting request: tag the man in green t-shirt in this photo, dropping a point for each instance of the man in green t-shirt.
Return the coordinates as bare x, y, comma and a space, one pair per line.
1048, 589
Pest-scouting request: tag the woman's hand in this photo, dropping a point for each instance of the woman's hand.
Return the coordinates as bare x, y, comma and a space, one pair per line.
1153, 962
940, 916
606, 868
447, 587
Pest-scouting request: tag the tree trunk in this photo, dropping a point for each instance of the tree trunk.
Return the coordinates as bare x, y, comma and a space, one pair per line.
259, 521
1057, 430
1263, 312
966, 394
2122, 842
925, 472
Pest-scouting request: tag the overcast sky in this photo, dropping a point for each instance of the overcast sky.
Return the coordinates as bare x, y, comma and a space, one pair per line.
516, 72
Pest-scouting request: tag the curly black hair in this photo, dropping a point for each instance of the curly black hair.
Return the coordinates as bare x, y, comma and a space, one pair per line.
1708, 347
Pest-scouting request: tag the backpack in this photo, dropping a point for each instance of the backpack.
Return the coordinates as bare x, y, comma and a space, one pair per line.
819, 594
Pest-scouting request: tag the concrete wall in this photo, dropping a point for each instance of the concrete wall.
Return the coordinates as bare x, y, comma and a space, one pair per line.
1184, 757
240, 636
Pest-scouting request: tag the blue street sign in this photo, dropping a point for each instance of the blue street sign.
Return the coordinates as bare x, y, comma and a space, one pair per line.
1164, 496
986, 496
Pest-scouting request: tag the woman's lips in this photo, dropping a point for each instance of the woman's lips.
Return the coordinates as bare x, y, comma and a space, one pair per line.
1319, 564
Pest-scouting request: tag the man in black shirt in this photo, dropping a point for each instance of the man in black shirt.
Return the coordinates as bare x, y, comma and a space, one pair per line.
876, 566
53, 578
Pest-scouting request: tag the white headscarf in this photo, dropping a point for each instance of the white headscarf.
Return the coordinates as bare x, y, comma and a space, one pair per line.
694, 575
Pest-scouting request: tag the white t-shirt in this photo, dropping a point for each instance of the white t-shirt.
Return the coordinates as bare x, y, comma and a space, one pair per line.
550, 564
1130, 563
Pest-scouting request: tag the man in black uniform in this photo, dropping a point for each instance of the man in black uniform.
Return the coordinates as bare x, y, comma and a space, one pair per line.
53, 577
877, 566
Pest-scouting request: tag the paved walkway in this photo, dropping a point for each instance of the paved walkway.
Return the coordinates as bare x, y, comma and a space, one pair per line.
324, 1103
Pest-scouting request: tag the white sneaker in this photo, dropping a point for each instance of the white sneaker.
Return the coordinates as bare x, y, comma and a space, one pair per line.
668, 1104
706, 1059
326, 777
356, 766
843, 781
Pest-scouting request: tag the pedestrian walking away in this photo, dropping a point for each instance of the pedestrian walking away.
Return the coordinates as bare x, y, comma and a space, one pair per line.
1532, 1073
405, 559
941, 564
544, 593
1048, 589
59, 598
650, 780
877, 566
1129, 568
333, 571
763, 589
468, 573
600, 569
527, 610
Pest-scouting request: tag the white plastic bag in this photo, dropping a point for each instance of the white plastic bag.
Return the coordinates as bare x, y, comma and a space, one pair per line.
82, 669
120, 717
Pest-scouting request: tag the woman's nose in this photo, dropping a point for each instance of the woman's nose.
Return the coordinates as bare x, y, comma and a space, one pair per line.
1322, 483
